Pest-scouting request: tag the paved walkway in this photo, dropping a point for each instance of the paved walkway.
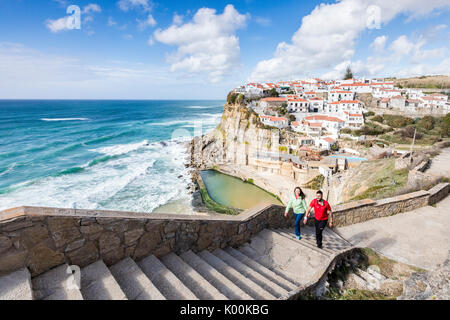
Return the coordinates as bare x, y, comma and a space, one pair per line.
440, 165
420, 237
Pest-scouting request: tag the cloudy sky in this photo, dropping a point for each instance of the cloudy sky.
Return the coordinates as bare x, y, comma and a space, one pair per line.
192, 49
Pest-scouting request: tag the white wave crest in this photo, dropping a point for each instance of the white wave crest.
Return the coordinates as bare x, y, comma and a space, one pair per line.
65, 119
120, 149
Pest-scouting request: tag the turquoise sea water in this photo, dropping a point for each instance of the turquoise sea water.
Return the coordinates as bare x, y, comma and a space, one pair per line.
125, 155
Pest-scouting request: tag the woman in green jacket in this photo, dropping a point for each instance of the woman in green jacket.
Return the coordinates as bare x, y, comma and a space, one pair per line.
298, 204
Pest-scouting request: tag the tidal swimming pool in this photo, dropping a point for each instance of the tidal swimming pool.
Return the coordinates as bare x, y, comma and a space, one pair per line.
233, 192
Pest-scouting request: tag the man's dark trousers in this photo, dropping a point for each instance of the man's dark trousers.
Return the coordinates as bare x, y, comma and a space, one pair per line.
320, 225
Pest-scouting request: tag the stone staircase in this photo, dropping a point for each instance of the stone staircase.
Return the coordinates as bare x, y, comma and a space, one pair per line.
274, 265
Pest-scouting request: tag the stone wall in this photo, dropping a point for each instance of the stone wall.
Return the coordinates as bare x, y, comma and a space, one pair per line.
42, 238
438, 193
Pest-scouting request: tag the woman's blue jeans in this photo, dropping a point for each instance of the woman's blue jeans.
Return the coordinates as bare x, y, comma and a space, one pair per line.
298, 220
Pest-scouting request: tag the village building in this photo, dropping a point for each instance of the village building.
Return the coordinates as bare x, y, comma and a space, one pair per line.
272, 121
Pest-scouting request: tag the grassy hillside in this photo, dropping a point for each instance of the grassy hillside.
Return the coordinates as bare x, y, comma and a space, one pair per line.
429, 82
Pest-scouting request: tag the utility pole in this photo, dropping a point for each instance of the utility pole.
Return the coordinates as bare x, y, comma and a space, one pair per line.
412, 146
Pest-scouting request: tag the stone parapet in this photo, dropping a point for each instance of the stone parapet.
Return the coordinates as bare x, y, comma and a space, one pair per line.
41, 238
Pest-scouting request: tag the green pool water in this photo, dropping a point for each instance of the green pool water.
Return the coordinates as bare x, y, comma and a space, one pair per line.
233, 192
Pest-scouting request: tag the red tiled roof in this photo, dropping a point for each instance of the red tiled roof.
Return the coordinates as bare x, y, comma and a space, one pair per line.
274, 99
271, 118
323, 118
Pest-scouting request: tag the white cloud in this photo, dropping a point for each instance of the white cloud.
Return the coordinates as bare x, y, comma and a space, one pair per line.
62, 24
149, 22
327, 36
92, 7
58, 25
207, 44
31, 74
111, 22
151, 41
265, 22
177, 19
401, 46
379, 43
126, 5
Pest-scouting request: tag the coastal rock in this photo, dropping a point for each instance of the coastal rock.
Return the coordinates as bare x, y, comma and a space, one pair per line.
5, 244
433, 285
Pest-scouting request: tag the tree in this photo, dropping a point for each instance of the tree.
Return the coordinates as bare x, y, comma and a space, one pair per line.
273, 93
348, 73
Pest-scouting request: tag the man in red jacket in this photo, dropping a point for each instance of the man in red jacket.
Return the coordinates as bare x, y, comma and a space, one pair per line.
322, 215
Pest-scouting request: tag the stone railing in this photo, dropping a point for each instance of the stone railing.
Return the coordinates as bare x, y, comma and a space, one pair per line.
367, 209
41, 238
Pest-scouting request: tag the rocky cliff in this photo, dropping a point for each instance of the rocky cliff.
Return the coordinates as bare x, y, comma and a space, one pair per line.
239, 135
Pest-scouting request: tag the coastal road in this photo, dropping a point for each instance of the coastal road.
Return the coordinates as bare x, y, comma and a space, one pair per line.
419, 237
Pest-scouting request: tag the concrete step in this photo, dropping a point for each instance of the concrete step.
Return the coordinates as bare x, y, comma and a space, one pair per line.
97, 283
309, 243
332, 243
303, 242
269, 274
251, 253
294, 260
60, 283
217, 279
309, 237
240, 280
16, 286
252, 274
134, 282
191, 278
166, 282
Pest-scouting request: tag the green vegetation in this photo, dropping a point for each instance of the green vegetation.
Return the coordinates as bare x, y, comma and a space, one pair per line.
273, 93
383, 182
282, 148
210, 203
235, 98
367, 257
369, 114
400, 129
348, 73
316, 183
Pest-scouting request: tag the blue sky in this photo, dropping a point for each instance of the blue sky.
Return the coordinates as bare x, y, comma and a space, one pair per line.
142, 49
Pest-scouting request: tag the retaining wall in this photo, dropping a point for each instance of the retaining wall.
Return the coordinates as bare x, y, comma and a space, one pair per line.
41, 238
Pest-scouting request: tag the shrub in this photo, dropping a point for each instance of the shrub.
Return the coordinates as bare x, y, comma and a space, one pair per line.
346, 130
378, 118
369, 114
426, 123
397, 121
408, 132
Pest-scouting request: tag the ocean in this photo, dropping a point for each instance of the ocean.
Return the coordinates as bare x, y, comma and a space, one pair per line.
96, 154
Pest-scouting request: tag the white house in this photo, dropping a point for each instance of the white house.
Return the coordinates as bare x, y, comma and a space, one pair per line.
298, 105
357, 87
354, 120
308, 128
331, 124
278, 122
316, 104
334, 96
272, 102
325, 142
